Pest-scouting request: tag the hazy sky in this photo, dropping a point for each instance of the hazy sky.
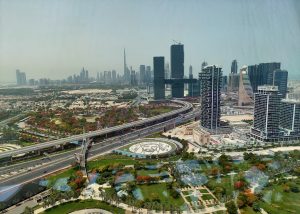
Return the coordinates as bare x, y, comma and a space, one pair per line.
56, 38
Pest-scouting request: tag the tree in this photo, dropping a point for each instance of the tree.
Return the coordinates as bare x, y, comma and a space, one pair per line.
239, 185
28, 210
225, 160
231, 207
214, 171
256, 207
295, 189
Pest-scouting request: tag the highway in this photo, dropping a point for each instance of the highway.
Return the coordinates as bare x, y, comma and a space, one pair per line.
186, 107
64, 160
8, 120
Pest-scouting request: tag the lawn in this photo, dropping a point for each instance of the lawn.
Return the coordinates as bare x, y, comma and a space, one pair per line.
247, 210
203, 190
79, 205
146, 172
207, 197
64, 174
281, 202
157, 190
156, 135
110, 159
23, 143
225, 182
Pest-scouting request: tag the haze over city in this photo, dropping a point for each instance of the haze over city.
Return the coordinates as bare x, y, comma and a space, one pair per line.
174, 106
54, 39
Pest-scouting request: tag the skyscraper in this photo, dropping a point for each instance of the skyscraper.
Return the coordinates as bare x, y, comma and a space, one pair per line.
21, 77
127, 74
18, 77
210, 81
266, 113
234, 67
167, 71
190, 85
133, 79
280, 79
86, 75
113, 76
148, 74
159, 77
142, 74
177, 69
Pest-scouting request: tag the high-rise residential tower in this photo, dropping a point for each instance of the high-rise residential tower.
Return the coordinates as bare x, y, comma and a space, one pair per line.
266, 113
159, 77
177, 70
211, 83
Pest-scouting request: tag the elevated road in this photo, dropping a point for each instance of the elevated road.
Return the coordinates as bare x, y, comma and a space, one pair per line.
186, 107
61, 161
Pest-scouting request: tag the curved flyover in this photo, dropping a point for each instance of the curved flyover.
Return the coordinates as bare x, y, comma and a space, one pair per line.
186, 107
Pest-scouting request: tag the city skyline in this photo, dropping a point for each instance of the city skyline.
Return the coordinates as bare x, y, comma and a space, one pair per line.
56, 39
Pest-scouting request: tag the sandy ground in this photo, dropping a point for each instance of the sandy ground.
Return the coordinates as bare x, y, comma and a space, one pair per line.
237, 118
179, 133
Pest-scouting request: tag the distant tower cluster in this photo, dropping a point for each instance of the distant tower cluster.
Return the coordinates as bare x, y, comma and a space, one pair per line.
210, 81
262, 74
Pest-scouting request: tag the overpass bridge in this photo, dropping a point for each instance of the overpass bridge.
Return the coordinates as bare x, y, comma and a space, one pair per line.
185, 108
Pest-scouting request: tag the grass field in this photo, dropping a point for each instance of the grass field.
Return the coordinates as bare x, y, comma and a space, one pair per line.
157, 190
146, 172
79, 205
64, 174
207, 197
247, 210
111, 159
156, 135
281, 202
225, 182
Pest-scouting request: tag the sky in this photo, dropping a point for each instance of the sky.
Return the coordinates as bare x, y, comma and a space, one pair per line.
56, 38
